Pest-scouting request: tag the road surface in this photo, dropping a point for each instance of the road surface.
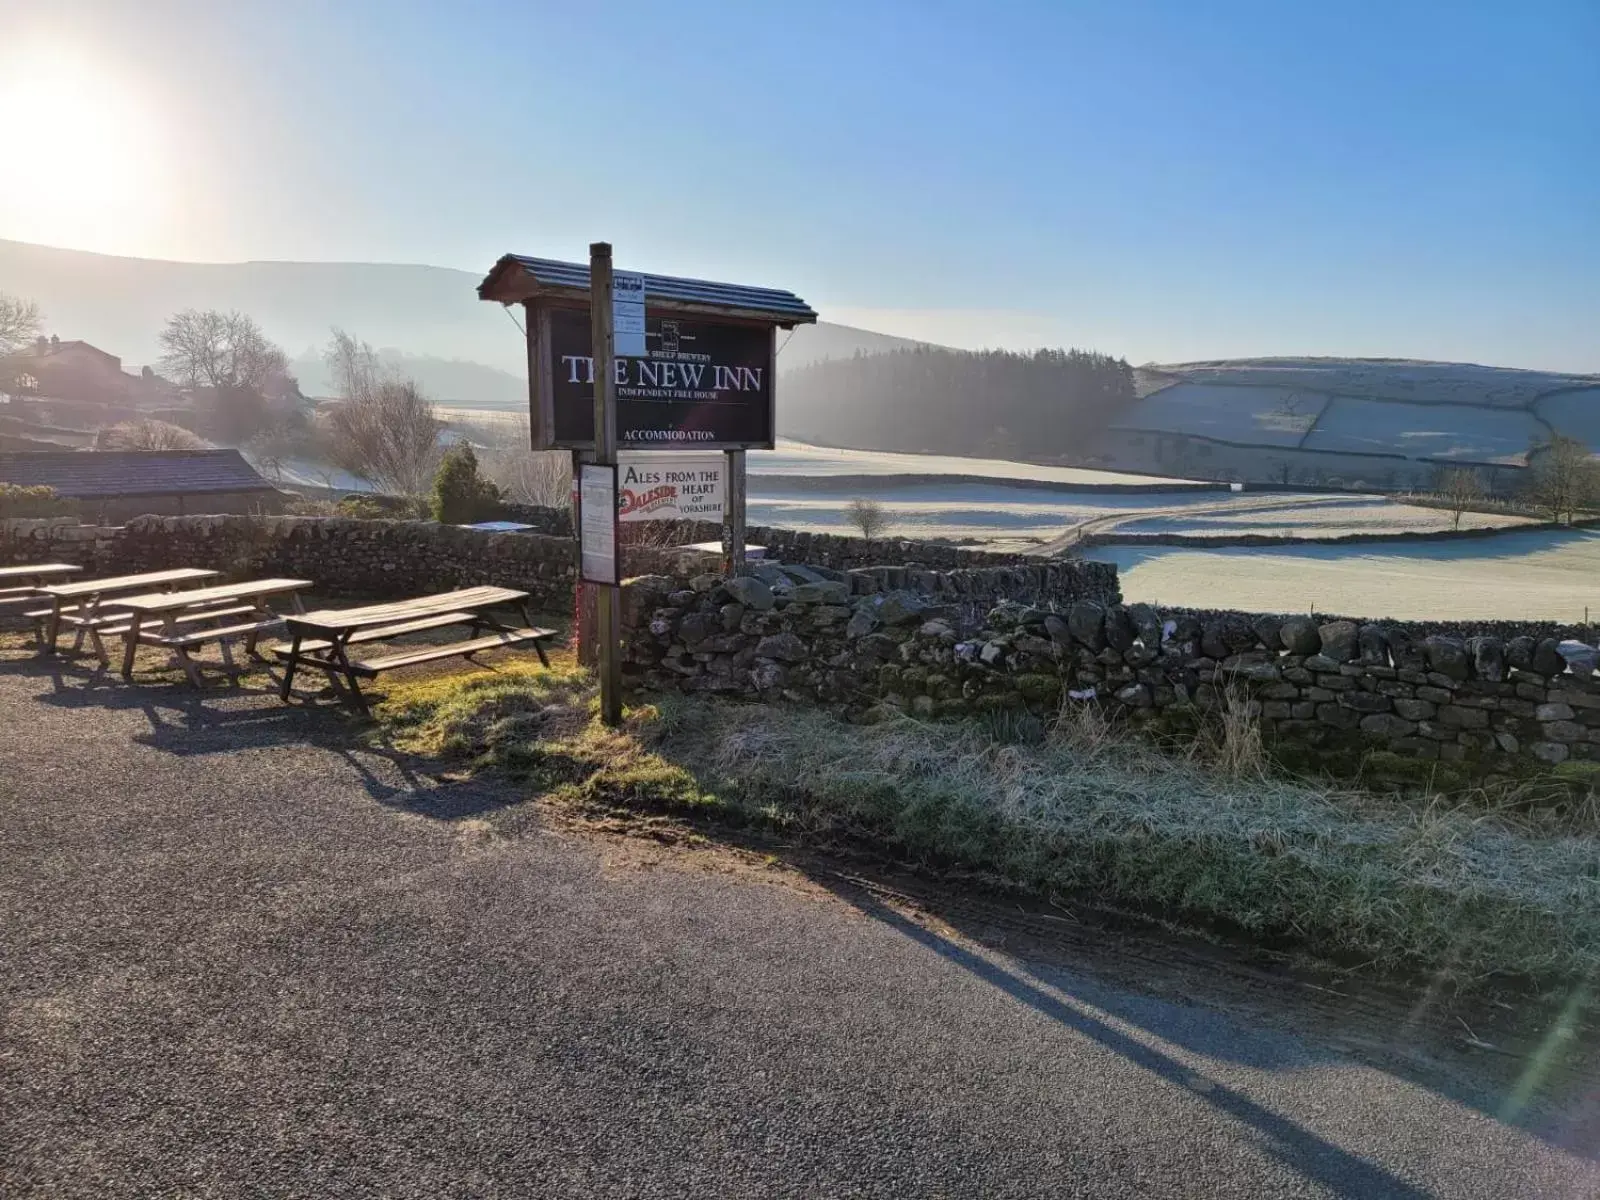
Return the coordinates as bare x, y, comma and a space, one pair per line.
239, 958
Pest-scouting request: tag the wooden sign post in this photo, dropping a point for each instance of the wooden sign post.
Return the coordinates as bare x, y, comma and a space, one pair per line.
624, 361
608, 599
733, 509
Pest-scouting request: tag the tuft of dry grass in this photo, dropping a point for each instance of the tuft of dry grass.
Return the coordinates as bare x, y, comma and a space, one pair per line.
1207, 836
1230, 739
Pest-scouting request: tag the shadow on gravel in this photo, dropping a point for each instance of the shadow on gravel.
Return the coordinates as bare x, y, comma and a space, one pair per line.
1537, 1076
229, 717
1314, 1157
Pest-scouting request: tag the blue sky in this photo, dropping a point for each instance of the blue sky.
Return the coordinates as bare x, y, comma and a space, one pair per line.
1161, 180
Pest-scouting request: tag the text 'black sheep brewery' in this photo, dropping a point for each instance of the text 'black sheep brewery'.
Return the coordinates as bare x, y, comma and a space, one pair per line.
706, 379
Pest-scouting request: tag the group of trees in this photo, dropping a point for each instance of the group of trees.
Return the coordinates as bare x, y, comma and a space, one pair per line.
1043, 404
1562, 480
1563, 477
241, 378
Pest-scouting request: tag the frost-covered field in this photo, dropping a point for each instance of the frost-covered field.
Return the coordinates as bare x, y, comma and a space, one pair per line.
1265, 416
999, 516
800, 458
1384, 379
1308, 516
1004, 517
1576, 414
1457, 431
1536, 575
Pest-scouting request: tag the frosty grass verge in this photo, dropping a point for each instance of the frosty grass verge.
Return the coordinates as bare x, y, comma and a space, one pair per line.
1384, 881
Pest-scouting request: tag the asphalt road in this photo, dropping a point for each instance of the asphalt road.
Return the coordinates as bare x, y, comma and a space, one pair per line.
239, 959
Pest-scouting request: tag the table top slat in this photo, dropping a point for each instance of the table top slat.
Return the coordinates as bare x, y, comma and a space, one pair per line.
337, 620
126, 583
155, 602
37, 571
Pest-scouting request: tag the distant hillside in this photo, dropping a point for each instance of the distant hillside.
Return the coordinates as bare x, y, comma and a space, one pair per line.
815, 343
430, 319
1373, 422
1385, 423
933, 399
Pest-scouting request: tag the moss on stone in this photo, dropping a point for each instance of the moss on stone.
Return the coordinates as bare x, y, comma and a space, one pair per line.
1039, 689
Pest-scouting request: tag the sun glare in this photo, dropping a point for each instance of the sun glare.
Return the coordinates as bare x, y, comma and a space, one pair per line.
80, 161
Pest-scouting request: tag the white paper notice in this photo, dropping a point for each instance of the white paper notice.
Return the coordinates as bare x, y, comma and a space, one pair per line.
597, 509
627, 314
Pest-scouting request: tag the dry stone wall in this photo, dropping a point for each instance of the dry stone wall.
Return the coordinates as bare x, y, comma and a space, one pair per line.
1326, 687
340, 556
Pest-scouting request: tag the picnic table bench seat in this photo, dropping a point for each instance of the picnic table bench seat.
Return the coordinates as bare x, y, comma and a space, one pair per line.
125, 622
466, 649
198, 637
322, 639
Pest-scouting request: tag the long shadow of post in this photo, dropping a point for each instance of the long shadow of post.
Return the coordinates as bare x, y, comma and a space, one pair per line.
1297, 1147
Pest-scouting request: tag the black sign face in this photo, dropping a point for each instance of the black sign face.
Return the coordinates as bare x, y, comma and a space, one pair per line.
703, 384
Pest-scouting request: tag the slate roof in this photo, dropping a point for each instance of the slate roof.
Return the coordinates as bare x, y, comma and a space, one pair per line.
518, 276
52, 349
87, 474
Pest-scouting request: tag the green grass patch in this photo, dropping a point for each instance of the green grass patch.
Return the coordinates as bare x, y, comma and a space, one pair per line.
1390, 880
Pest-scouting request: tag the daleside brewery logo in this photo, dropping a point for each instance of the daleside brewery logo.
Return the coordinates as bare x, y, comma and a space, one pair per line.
638, 504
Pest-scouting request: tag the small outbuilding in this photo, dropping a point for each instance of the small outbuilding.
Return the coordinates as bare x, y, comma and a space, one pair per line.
113, 485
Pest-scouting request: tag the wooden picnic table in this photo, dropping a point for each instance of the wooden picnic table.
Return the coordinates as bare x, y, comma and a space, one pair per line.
180, 621
92, 596
322, 639
33, 574
19, 586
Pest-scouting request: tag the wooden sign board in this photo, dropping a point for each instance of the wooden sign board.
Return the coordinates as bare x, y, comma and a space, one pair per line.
701, 384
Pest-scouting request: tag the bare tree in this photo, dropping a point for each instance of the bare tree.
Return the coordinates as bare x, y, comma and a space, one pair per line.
20, 322
1563, 476
1460, 488
867, 515
538, 477
225, 351
353, 366
388, 435
149, 435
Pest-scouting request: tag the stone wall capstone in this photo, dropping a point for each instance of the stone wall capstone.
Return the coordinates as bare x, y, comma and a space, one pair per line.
840, 552
341, 556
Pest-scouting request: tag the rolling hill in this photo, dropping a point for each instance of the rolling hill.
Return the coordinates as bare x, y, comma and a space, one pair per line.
1315, 421
429, 319
1324, 421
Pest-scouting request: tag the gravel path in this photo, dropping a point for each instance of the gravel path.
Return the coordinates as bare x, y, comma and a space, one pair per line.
240, 959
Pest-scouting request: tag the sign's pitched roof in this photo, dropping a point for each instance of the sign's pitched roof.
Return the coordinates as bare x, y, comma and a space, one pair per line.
519, 277
89, 474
